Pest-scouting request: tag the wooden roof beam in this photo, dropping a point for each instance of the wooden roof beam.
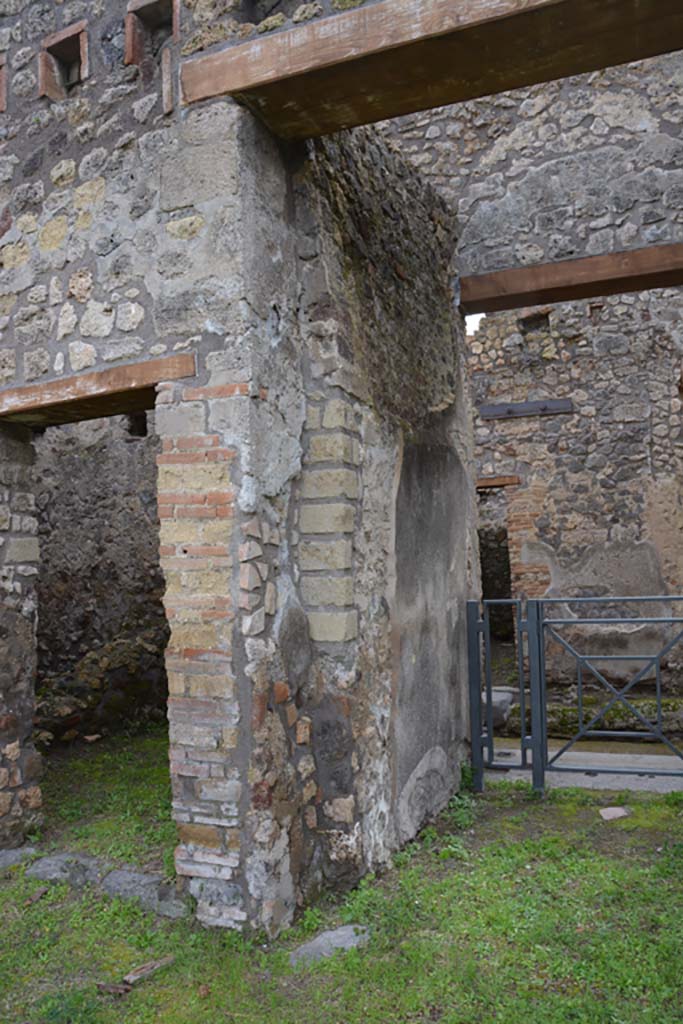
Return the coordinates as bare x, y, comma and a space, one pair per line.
658, 266
401, 56
114, 392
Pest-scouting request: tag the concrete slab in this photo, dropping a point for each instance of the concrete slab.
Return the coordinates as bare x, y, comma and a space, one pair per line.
639, 766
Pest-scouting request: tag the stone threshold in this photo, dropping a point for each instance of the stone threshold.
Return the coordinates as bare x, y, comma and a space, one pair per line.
149, 888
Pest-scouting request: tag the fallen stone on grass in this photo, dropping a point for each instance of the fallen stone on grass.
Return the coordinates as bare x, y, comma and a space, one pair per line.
151, 890
10, 858
613, 813
349, 936
77, 869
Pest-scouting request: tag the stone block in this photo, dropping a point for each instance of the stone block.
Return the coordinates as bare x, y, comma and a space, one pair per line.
342, 809
200, 835
180, 420
318, 555
250, 578
81, 355
333, 518
333, 627
199, 173
253, 625
330, 483
22, 549
327, 590
195, 477
338, 414
228, 791
349, 936
53, 234
334, 448
89, 194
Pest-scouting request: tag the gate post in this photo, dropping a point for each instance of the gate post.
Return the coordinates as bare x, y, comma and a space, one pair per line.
536, 686
474, 675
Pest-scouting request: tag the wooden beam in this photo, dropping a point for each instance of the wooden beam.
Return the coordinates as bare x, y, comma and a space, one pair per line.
521, 410
114, 392
659, 266
487, 483
400, 56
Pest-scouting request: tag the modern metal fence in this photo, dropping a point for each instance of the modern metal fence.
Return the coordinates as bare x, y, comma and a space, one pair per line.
566, 623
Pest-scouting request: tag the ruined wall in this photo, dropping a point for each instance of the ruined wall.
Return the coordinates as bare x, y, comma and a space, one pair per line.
589, 165
312, 286
584, 166
598, 508
101, 628
20, 798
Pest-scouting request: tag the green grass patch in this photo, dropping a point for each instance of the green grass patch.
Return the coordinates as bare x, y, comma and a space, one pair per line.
507, 908
112, 800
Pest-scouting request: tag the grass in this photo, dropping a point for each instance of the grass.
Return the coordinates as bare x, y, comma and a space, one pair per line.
112, 800
506, 909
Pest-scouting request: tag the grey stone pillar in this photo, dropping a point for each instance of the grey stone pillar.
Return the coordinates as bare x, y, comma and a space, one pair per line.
20, 797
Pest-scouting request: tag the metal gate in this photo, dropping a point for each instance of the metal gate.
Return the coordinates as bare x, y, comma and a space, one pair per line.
568, 625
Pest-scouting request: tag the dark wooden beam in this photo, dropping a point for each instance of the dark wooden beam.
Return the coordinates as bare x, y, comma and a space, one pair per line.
401, 56
124, 389
519, 410
659, 266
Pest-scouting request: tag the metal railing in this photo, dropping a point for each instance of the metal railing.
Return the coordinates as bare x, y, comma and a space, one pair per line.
535, 625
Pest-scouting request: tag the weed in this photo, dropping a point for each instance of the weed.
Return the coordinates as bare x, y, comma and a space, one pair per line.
460, 813
453, 848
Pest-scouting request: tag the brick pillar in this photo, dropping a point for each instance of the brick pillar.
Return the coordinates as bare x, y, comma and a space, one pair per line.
528, 578
20, 798
196, 509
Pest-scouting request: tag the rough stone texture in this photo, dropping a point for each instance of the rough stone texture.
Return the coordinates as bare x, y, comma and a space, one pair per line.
580, 167
598, 510
102, 629
20, 798
150, 890
349, 936
77, 869
313, 284
590, 165
10, 858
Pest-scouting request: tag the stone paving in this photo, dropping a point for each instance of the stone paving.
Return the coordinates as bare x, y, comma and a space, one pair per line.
640, 765
150, 888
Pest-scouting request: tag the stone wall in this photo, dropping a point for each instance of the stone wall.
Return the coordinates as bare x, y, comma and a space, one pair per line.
576, 168
598, 508
20, 798
580, 167
313, 589
101, 628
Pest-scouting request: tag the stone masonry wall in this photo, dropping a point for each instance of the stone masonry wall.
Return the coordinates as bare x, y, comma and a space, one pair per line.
314, 589
20, 798
599, 507
580, 167
576, 168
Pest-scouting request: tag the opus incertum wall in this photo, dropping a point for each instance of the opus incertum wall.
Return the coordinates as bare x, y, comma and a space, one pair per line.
577, 168
289, 314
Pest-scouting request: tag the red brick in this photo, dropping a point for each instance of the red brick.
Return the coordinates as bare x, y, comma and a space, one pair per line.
217, 391
280, 692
